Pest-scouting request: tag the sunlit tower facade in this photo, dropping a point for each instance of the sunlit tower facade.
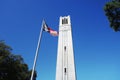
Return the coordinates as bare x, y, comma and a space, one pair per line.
65, 68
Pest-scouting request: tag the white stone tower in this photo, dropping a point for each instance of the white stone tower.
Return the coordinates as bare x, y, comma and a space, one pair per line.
65, 69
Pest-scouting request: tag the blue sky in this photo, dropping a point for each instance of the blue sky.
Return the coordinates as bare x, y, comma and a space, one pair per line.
96, 45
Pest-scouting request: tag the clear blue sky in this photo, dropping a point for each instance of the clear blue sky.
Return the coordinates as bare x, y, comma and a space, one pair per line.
96, 45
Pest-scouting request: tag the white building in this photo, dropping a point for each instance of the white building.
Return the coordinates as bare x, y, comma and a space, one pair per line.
65, 68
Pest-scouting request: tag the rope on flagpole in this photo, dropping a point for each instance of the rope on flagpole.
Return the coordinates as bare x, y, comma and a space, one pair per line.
37, 50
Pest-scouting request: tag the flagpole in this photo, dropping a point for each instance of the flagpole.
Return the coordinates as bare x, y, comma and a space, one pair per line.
37, 50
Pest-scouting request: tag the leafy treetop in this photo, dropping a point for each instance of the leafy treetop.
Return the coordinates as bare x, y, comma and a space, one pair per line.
112, 11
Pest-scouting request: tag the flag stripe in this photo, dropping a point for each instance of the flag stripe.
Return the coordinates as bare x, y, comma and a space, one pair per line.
53, 33
49, 30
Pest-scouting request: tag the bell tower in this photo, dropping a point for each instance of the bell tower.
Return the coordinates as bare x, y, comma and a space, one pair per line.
65, 68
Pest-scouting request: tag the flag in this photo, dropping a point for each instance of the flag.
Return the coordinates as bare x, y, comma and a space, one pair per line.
49, 30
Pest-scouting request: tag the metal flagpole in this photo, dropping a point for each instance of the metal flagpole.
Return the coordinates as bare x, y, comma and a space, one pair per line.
37, 50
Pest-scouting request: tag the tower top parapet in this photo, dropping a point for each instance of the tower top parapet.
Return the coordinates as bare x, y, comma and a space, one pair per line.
65, 20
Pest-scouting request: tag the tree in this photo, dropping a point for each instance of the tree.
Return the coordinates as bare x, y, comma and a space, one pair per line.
12, 67
112, 11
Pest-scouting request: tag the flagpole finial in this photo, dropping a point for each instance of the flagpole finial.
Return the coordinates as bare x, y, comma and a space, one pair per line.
43, 21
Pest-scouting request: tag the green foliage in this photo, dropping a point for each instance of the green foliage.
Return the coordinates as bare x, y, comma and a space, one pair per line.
12, 67
112, 10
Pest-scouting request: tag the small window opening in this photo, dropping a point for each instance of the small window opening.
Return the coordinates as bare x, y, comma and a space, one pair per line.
65, 21
65, 70
65, 48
